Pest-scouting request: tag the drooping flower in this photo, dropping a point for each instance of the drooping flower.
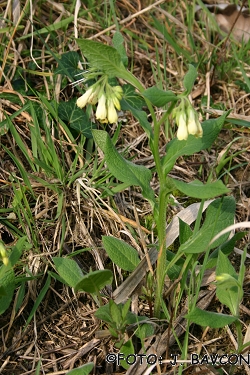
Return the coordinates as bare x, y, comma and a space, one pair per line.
108, 98
187, 120
193, 125
182, 132
112, 114
84, 99
101, 111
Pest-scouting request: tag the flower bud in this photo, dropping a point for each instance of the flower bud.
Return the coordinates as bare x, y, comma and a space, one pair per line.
182, 132
112, 114
101, 111
3, 254
116, 103
84, 99
118, 92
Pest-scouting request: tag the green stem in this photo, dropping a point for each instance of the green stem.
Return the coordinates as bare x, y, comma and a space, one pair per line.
161, 217
161, 262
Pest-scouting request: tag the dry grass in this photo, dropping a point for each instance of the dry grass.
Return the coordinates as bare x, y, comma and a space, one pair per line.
64, 332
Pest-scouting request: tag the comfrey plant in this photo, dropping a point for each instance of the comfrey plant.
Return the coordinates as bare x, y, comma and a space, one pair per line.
107, 64
191, 137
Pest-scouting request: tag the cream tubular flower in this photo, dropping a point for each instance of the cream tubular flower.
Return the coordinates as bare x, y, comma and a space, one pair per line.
182, 132
194, 126
112, 114
200, 130
93, 99
101, 111
84, 99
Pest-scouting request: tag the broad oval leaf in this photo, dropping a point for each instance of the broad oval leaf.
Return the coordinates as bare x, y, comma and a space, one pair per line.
209, 319
220, 214
7, 287
103, 57
122, 254
197, 189
94, 281
159, 97
75, 117
69, 270
190, 78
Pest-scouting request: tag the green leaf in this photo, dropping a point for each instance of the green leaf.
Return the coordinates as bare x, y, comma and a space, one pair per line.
122, 169
176, 148
118, 43
190, 78
210, 319
127, 349
131, 99
125, 309
133, 102
82, 370
219, 215
122, 254
103, 313
197, 189
228, 292
50, 28
69, 65
18, 249
116, 313
94, 281
226, 248
144, 330
39, 299
174, 271
69, 270
103, 57
75, 117
7, 287
159, 97
185, 231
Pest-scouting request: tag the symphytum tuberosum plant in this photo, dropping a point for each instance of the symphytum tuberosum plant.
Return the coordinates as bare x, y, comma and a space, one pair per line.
106, 65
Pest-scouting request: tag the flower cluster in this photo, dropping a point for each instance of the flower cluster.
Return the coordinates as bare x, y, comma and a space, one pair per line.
108, 98
187, 121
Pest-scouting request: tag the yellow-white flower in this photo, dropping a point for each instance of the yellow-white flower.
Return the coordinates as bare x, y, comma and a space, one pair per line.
93, 99
84, 99
112, 114
182, 132
193, 125
101, 111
